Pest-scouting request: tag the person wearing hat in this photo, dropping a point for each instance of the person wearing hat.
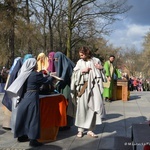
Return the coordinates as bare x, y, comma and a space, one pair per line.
110, 71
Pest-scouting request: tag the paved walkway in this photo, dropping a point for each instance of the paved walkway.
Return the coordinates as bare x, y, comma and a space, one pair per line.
114, 133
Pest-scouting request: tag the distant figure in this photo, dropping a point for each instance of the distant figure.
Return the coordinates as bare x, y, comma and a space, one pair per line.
130, 84
145, 85
140, 85
3, 77
135, 84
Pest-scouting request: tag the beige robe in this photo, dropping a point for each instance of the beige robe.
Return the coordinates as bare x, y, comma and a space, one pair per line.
90, 108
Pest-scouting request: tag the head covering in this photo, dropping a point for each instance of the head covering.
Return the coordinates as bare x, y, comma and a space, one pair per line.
25, 71
42, 61
51, 66
14, 63
27, 56
6, 101
63, 67
14, 71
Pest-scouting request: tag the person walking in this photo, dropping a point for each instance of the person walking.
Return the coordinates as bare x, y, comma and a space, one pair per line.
86, 93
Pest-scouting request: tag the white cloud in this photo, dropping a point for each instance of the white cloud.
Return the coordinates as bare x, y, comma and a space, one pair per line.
131, 30
131, 35
137, 30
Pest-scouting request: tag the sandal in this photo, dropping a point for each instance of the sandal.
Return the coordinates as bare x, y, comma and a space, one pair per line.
80, 134
91, 134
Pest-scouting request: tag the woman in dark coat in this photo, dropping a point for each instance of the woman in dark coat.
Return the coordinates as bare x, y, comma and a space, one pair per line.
64, 68
27, 90
9, 108
6, 101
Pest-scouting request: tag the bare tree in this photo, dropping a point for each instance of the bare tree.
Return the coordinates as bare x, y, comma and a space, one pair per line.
48, 7
131, 61
80, 11
13, 12
9, 11
146, 55
28, 15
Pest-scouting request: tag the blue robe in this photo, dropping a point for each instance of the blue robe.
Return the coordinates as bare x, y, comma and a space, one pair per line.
28, 115
64, 68
6, 101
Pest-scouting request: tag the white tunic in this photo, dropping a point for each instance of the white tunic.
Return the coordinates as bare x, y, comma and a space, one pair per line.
90, 107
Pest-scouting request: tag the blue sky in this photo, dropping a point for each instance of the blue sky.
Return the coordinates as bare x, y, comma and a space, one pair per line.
129, 32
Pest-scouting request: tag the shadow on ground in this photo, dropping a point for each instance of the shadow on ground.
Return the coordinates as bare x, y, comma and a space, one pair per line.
135, 97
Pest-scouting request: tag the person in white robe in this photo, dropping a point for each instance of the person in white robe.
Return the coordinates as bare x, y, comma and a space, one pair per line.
86, 93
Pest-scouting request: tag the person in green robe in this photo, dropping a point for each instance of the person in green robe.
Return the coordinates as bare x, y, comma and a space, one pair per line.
110, 72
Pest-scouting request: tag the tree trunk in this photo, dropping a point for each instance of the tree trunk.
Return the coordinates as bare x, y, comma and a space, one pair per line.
11, 36
69, 32
45, 36
28, 22
51, 35
11, 45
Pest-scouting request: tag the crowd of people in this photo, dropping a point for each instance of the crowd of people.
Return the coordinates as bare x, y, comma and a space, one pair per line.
85, 85
138, 84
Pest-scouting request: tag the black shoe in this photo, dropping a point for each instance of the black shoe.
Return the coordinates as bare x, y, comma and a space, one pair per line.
35, 143
6, 128
23, 138
107, 100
